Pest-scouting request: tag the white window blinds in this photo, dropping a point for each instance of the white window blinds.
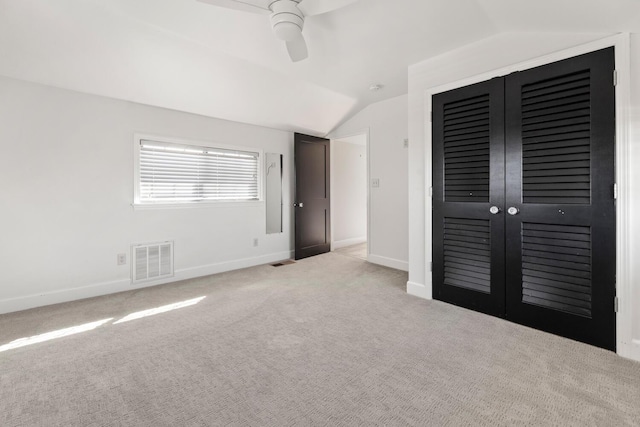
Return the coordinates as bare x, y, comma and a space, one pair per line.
177, 173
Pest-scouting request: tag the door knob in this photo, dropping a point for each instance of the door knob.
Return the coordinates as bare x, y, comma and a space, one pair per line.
513, 210
494, 210
298, 205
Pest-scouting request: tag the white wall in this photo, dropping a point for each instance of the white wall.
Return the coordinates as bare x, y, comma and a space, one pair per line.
348, 192
386, 124
498, 52
632, 192
67, 186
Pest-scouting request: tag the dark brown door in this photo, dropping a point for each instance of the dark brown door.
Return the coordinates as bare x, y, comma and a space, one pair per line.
468, 180
554, 214
312, 205
561, 227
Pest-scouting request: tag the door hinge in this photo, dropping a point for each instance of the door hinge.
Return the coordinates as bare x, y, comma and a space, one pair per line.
615, 77
615, 191
615, 304
430, 191
431, 266
431, 116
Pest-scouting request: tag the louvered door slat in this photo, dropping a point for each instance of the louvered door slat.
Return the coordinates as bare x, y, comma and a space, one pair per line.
543, 159
580, 298
461, 107
556, 87
561, 271
541, 259
554, 186
559, 139
568, 105
557, 131
466, 133
466, 240
545, 107
562, 233
555, 82
472, 151
556, 249
566, 112
467, 266
550, 156
557, 150
568, 287
569, 179
537, 101
465, 144
558, 258
472, 118
579, 174
463, 149
548, 283
470, 158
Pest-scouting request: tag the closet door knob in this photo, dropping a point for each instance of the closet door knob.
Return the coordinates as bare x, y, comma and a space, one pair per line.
494, 210
513, 210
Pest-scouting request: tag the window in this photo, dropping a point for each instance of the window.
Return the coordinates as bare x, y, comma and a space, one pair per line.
170, 172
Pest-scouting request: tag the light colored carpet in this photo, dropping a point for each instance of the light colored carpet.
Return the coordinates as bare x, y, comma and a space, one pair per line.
356, 251
330, 340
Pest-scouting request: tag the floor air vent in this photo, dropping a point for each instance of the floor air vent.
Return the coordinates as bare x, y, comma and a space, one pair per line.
152, 261
281, 263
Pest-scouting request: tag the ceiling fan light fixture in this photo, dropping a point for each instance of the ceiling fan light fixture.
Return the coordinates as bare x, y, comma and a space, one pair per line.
287, 20
287, 31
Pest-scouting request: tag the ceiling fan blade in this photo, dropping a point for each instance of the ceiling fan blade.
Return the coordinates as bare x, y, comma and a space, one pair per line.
316, 7
297, 49
253, 6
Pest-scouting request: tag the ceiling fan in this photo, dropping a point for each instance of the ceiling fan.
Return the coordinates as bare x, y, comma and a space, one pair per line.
287, 17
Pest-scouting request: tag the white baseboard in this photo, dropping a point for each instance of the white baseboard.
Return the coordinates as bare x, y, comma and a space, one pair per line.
72, 294
221, 267
348, 242
64, 295
418, 290
388, 262
634, 351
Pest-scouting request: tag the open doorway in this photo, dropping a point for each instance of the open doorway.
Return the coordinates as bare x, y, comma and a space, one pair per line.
349, 195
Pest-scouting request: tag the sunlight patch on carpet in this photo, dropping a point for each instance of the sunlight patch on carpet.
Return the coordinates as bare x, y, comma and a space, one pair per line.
158, 310
22, 342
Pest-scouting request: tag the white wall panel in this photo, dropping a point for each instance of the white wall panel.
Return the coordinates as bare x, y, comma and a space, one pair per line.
67, 187
386, 124
348, 192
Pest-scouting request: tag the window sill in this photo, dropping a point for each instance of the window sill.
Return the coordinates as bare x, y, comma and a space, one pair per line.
197, 205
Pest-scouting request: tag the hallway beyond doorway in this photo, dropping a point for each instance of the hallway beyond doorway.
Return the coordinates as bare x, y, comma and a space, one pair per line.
356, 251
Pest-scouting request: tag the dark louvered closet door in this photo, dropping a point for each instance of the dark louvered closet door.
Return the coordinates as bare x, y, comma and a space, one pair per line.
468, 149
523, 207
560, 247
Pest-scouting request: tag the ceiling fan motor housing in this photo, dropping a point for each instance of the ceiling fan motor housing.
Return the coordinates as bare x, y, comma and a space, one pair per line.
287, 20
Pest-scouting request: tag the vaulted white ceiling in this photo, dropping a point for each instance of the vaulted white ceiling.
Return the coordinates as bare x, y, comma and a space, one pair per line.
189, 56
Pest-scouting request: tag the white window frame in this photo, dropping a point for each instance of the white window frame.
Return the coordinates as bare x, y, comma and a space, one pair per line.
138, 204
